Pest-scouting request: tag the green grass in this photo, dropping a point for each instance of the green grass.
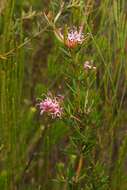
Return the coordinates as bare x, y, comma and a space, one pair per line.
86, 149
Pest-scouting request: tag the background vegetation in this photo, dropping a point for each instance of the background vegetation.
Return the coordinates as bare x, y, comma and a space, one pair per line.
86, 149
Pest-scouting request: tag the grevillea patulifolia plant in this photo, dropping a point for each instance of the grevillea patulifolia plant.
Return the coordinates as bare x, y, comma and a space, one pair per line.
79, 113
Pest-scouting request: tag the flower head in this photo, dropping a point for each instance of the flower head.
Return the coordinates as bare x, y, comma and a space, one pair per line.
73, 38
51, 106
88, 65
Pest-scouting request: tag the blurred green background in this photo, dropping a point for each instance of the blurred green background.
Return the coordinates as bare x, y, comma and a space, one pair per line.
36, 152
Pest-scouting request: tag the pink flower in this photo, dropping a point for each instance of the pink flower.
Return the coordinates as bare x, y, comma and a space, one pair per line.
51, 106
88, 65
73, 38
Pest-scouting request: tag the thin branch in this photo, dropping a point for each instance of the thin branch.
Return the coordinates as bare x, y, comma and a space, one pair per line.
9, 53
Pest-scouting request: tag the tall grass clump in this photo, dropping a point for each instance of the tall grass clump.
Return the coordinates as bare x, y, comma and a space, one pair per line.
63, 85
11, 78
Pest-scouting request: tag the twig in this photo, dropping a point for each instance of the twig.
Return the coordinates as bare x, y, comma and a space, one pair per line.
9, 53
79, 168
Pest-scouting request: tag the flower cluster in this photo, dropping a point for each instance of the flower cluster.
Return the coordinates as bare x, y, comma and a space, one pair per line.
51, 106
73, 37
88, 65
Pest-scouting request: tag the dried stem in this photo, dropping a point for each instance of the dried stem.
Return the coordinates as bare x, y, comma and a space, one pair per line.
78, 171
